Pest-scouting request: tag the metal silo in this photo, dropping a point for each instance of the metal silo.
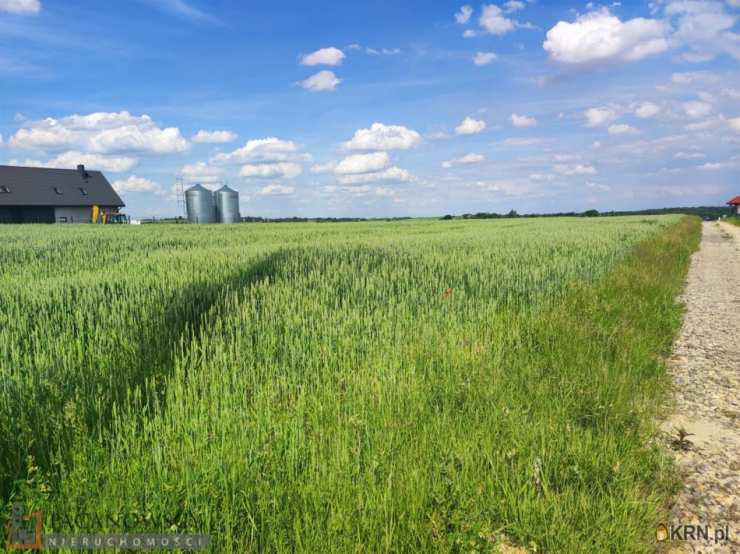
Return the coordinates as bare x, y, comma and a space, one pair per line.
227, 205
200, 205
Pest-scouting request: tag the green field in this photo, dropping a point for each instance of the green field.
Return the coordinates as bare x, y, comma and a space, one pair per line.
416, 386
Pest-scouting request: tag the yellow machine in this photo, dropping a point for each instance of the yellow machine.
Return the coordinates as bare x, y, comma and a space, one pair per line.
105, 218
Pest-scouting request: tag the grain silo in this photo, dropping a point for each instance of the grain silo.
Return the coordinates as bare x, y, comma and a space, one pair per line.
200, 205
227, 205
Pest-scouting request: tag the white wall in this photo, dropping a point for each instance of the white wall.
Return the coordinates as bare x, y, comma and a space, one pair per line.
73, 215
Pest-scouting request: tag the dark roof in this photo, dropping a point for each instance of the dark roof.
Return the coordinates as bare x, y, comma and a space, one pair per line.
38, 186
735, 201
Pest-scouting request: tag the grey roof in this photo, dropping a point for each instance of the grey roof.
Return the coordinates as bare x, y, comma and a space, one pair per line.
35, 186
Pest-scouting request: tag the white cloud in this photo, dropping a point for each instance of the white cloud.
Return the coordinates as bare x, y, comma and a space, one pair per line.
599, 187
516, 141
689, 155
484, 58
200, 172
463, 16
733, 93
689, 77
470, 126
114, 164
600, 36
513, 6
288, 170
705, 28
362, 163
464, 160
382, 51
710, 166
493, 20
394, 174
577, 169
102, 133
647, 110
324, 56
470, 33
622, 129
2, 141
734, 124
215, 137
696, 109
601, 116
383, 137
276, 189
323, 81
20, 7
70, 160
269, 149
523, 121
137, 184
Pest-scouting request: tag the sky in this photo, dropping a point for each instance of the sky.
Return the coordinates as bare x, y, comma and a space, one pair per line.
373, 109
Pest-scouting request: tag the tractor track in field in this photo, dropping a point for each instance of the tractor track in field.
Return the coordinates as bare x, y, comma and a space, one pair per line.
705, 370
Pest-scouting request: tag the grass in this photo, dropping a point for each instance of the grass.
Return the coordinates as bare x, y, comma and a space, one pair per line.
734, 220
411, 386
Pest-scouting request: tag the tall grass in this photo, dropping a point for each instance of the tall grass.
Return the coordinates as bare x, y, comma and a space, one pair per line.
414, 386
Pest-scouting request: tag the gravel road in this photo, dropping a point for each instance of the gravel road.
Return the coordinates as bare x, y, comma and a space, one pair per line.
705, 370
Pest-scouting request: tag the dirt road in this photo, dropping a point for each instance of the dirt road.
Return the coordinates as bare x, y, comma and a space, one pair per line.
705, 370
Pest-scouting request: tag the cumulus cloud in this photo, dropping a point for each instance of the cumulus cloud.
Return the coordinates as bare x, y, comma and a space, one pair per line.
464, 160
517, 141
137, 184
288, 170
269, 149
705, 28
513, 6
215, 137
577, 169
696, 110
323, 81
493, 20
470, 126
484, 58
383, 137
101, 133
201, 172
647, 110
522, 121
362, 163
600, 116
622, 129
690, 77
20, 7
393, 174
734, 124
276, 189
599, 36
70, 160
463, 16
324, 56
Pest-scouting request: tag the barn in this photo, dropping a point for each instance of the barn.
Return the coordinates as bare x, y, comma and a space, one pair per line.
43, 195
734, 205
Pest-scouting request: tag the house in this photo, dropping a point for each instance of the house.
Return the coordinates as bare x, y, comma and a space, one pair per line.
42, 195
734, 205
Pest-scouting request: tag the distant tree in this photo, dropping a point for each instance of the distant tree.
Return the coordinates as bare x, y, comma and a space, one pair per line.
591, 213
512, 213
448, 216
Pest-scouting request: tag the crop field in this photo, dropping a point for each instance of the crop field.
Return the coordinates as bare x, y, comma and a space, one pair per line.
412, 386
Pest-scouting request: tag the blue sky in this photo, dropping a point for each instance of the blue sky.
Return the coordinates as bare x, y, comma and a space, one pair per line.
380, 108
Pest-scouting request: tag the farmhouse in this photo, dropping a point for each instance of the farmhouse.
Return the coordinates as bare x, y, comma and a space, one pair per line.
734, 205
42, 195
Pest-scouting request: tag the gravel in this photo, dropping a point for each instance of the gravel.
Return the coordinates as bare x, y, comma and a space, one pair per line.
705, 369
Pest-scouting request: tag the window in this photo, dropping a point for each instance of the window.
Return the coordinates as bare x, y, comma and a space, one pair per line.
62, 219
4, 189
83, 190
57, 190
